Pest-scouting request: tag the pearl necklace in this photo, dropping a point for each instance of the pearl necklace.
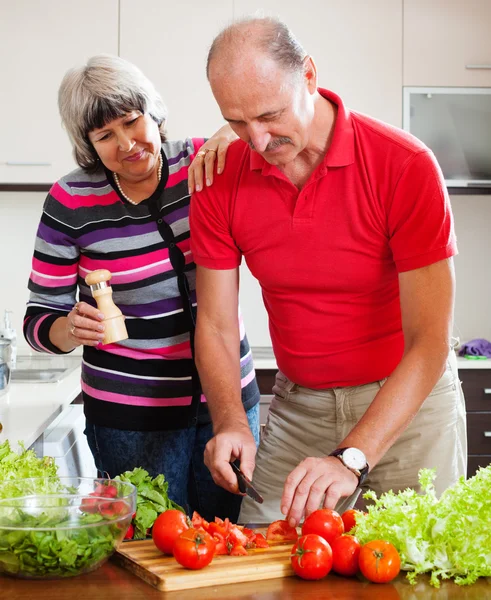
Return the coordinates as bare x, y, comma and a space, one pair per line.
116, 181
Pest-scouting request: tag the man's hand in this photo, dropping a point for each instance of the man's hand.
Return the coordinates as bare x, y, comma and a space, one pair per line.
225, 447
307, 484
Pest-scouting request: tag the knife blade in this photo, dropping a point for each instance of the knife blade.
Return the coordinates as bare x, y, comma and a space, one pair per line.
245, 484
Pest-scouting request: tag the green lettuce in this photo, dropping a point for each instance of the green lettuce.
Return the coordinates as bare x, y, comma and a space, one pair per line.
19, 465
448, 537
151, 500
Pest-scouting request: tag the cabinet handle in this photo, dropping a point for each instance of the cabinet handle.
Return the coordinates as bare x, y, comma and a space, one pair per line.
478, 66
487, 390
487, 434
27, 164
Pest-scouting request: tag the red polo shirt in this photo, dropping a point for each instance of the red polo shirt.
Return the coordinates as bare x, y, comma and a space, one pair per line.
327, 257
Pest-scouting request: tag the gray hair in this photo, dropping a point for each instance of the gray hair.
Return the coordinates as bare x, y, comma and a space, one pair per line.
106, 88
274, 38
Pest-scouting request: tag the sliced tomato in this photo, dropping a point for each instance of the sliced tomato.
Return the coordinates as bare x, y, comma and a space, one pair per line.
215, 527
281, 531
198, 522
220, 544
260, 541
236, 536
238, 550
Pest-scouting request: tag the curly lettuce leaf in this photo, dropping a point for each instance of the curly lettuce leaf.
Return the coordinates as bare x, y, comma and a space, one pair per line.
448, 537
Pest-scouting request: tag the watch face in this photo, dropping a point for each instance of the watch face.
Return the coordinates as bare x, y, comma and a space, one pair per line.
354, 458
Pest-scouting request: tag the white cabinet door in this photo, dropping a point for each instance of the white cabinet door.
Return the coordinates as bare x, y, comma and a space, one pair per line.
39, 42
357, 46
169, 42
447, 43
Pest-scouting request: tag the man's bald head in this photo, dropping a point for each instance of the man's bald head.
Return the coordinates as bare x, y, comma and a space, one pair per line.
256, 36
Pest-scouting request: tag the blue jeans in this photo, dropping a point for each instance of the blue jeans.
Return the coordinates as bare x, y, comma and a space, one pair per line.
178, 455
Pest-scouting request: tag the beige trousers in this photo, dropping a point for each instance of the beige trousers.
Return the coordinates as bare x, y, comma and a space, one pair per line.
303, 422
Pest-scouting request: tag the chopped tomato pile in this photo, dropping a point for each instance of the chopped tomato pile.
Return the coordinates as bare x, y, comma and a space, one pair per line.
229, 538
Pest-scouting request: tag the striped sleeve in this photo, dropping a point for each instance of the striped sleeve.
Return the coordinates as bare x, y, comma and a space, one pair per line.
53, 278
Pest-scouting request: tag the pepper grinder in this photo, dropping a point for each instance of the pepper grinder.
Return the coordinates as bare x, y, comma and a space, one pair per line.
115, 329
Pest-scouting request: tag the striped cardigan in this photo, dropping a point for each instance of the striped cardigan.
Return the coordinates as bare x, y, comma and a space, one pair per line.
148, 381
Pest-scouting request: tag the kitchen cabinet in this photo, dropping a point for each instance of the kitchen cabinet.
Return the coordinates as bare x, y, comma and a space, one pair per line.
476, 384
447, 43
39, 42
357, 47
171, 49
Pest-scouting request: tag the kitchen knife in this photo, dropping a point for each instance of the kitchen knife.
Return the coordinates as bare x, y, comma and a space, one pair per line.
245, 484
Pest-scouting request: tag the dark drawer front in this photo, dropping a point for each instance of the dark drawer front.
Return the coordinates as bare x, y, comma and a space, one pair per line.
265, 380
476, 384
474, 462
479, 433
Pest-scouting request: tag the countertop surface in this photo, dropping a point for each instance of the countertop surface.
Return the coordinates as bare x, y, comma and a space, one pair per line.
111, 582
29, 408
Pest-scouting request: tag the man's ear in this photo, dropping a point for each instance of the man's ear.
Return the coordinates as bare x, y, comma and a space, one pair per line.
310, 73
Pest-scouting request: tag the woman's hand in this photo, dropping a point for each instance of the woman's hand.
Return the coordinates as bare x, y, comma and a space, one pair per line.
215, 149
84, 323
82, 326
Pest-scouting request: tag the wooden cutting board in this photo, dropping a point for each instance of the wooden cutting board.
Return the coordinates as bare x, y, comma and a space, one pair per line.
143, 559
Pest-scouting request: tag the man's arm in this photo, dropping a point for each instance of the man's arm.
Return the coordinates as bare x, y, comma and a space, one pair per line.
217, 345
427, 298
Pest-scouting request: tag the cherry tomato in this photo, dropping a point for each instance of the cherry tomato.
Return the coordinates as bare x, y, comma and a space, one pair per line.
345, 553
349, 518
130, 532
194, 549
311, 557
167, 528
379, 561
281, 531
324, 522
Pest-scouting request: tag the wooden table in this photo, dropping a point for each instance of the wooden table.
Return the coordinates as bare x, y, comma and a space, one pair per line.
110, 582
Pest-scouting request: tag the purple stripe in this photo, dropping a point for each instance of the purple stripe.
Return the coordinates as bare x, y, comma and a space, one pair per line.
152, 308
51, 236
177, 215
88, 184
246, 359
176, 386
113, 232
175, 159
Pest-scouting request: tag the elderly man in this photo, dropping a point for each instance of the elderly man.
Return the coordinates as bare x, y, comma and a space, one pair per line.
346, 224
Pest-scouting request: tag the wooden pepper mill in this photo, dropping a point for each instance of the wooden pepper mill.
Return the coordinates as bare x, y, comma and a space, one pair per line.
115, 329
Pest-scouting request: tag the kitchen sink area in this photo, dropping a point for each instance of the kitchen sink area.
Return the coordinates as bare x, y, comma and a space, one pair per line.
43, 368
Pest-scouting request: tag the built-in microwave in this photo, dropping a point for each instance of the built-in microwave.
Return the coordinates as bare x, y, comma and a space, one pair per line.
455, 123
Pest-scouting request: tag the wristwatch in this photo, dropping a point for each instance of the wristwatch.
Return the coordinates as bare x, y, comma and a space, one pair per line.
354, 460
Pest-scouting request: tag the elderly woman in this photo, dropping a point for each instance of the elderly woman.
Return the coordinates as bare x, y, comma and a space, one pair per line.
126, 210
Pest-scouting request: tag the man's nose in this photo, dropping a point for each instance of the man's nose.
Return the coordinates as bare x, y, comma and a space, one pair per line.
259, 137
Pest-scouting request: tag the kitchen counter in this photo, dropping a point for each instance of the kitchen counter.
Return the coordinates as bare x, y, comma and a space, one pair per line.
264, 360
29, 408
111, 582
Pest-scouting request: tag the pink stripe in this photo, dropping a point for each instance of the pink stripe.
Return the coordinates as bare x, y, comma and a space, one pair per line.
143, 274
135, 400
52, 283
125, 264
176, 178
50, 269
247, 379
35, 334
75, 201
181, 350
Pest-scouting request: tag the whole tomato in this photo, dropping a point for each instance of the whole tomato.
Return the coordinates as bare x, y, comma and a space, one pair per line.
324, 522
167, 528
379, 561
194, 549
281, 531
345, 554
349, 518
311, 557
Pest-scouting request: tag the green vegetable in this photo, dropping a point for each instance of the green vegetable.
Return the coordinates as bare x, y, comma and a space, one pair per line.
448, 537
152, 499
14, 465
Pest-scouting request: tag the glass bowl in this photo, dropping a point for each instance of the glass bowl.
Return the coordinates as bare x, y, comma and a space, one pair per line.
57, 527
